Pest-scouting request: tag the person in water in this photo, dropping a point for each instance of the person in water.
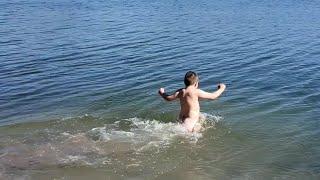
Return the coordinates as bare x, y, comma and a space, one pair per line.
189, 100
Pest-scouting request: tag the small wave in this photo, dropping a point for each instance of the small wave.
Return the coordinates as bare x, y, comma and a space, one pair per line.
149, 132
210, 120
139, 131
113, 144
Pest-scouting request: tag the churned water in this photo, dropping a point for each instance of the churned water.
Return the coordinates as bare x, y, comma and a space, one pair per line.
79, 82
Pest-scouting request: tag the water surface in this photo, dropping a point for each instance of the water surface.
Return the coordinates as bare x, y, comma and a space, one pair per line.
79, 82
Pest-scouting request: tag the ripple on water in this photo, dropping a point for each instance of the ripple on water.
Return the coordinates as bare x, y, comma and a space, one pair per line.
74, 57
136, 138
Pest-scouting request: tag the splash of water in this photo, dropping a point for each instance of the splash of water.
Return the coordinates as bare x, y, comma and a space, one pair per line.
101, 146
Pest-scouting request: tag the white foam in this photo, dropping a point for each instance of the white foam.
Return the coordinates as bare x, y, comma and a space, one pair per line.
150, 133
109, 144
211, 120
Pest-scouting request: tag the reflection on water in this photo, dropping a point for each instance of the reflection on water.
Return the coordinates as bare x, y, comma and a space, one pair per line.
61, 60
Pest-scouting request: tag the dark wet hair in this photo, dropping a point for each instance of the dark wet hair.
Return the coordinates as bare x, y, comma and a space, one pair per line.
191, 78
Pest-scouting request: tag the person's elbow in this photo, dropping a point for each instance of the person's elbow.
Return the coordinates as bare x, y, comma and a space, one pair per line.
168, 98
213, 97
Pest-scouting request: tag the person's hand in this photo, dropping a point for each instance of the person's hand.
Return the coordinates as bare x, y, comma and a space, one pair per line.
221, 85
161, 91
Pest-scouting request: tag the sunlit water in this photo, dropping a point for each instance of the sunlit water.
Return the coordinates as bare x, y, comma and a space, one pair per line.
79, 82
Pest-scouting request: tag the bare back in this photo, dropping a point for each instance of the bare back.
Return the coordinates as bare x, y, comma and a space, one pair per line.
189, 103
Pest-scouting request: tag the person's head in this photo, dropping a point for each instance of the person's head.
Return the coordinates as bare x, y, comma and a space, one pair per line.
191, 78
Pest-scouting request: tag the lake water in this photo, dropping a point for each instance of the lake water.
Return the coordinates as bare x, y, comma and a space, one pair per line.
79, 82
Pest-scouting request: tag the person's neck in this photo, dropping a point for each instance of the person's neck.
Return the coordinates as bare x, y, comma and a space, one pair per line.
191, 86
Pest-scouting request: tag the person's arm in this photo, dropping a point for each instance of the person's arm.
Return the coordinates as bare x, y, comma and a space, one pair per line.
168, 97
213, 95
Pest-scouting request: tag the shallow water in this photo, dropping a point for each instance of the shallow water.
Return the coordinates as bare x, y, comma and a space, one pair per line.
79, 82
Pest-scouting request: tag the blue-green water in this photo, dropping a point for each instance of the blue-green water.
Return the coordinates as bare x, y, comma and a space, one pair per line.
79, 82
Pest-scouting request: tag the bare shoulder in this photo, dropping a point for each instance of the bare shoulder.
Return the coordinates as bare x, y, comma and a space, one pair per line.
199, 91
180, 92
203, 94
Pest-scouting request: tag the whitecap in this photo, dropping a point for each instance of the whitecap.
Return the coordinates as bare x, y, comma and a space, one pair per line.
150, 133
